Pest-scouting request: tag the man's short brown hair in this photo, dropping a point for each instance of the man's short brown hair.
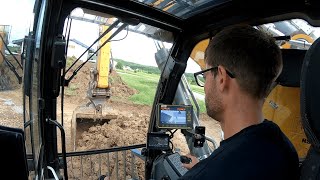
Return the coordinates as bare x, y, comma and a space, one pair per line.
251, 55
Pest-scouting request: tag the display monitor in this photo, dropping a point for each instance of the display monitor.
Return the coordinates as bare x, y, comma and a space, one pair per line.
159, 141
174, 116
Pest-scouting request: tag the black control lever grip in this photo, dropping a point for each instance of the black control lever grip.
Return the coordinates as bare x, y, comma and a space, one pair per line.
185, 159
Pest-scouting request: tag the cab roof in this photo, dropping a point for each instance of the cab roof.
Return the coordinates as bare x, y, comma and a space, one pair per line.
199, 16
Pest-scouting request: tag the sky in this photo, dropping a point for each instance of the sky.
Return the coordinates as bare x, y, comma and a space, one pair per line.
18, 14
135, 47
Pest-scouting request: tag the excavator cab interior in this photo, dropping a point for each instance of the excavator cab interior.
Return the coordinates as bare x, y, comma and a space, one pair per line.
180, 31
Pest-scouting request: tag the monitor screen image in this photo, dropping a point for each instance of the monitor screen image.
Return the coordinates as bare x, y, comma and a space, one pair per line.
173, 117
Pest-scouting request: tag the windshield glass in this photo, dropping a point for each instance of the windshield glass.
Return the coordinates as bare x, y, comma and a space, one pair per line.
108, 103
183, 8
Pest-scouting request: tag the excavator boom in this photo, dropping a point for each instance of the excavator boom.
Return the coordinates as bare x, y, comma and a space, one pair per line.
99, 90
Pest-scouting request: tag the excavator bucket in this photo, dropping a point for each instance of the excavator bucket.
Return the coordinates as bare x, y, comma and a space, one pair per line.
99, 92
90, 115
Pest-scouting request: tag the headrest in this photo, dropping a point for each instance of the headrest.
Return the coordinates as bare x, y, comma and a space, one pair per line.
310, 94
13, 153
292, 62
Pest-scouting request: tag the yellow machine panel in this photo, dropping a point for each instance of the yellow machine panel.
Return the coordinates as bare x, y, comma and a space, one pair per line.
282, 106
103, 61
197, 53
297, 37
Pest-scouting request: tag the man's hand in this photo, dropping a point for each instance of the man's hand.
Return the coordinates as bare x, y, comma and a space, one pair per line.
193, 162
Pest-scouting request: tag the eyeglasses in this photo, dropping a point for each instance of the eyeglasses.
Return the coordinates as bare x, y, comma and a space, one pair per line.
200, 77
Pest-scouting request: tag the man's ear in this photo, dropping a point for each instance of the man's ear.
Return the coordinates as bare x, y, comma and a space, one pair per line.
222, 78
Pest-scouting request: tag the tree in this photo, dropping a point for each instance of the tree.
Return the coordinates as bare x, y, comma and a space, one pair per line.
119, 65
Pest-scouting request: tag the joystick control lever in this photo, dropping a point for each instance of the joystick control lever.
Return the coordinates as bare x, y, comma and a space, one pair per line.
185, 159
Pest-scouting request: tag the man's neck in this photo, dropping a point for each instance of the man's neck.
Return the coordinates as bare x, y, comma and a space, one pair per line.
241, 113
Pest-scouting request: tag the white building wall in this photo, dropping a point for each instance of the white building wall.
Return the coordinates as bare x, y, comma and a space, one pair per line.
76, 50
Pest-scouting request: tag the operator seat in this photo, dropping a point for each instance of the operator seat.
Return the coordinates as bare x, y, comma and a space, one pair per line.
282, 105
13, 154
310, 111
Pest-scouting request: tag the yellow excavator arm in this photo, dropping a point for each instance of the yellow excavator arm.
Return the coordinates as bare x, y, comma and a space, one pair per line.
103, 61
99, 90
99, 85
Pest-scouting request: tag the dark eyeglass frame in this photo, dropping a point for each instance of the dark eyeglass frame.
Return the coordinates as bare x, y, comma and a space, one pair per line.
230, 74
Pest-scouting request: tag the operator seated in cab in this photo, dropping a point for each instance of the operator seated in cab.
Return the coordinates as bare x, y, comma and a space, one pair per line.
242, 64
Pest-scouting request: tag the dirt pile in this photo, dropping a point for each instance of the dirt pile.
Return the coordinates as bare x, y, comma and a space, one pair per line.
11, 110
119, 88
123, 131
77, 89
8, 80
130, 128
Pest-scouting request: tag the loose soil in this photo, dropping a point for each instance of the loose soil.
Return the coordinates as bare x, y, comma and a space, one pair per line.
129, 128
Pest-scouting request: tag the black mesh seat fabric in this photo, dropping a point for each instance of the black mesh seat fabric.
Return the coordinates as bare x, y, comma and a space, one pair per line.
292, 63
310, 111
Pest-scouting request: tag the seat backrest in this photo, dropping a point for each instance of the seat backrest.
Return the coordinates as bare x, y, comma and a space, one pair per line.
13, 154
292, 63
282, 105
310, 110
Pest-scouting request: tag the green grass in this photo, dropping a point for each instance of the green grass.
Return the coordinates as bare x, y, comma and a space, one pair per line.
69, 61
71, 90
198, 89
202, 106
150, 76
146, 85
